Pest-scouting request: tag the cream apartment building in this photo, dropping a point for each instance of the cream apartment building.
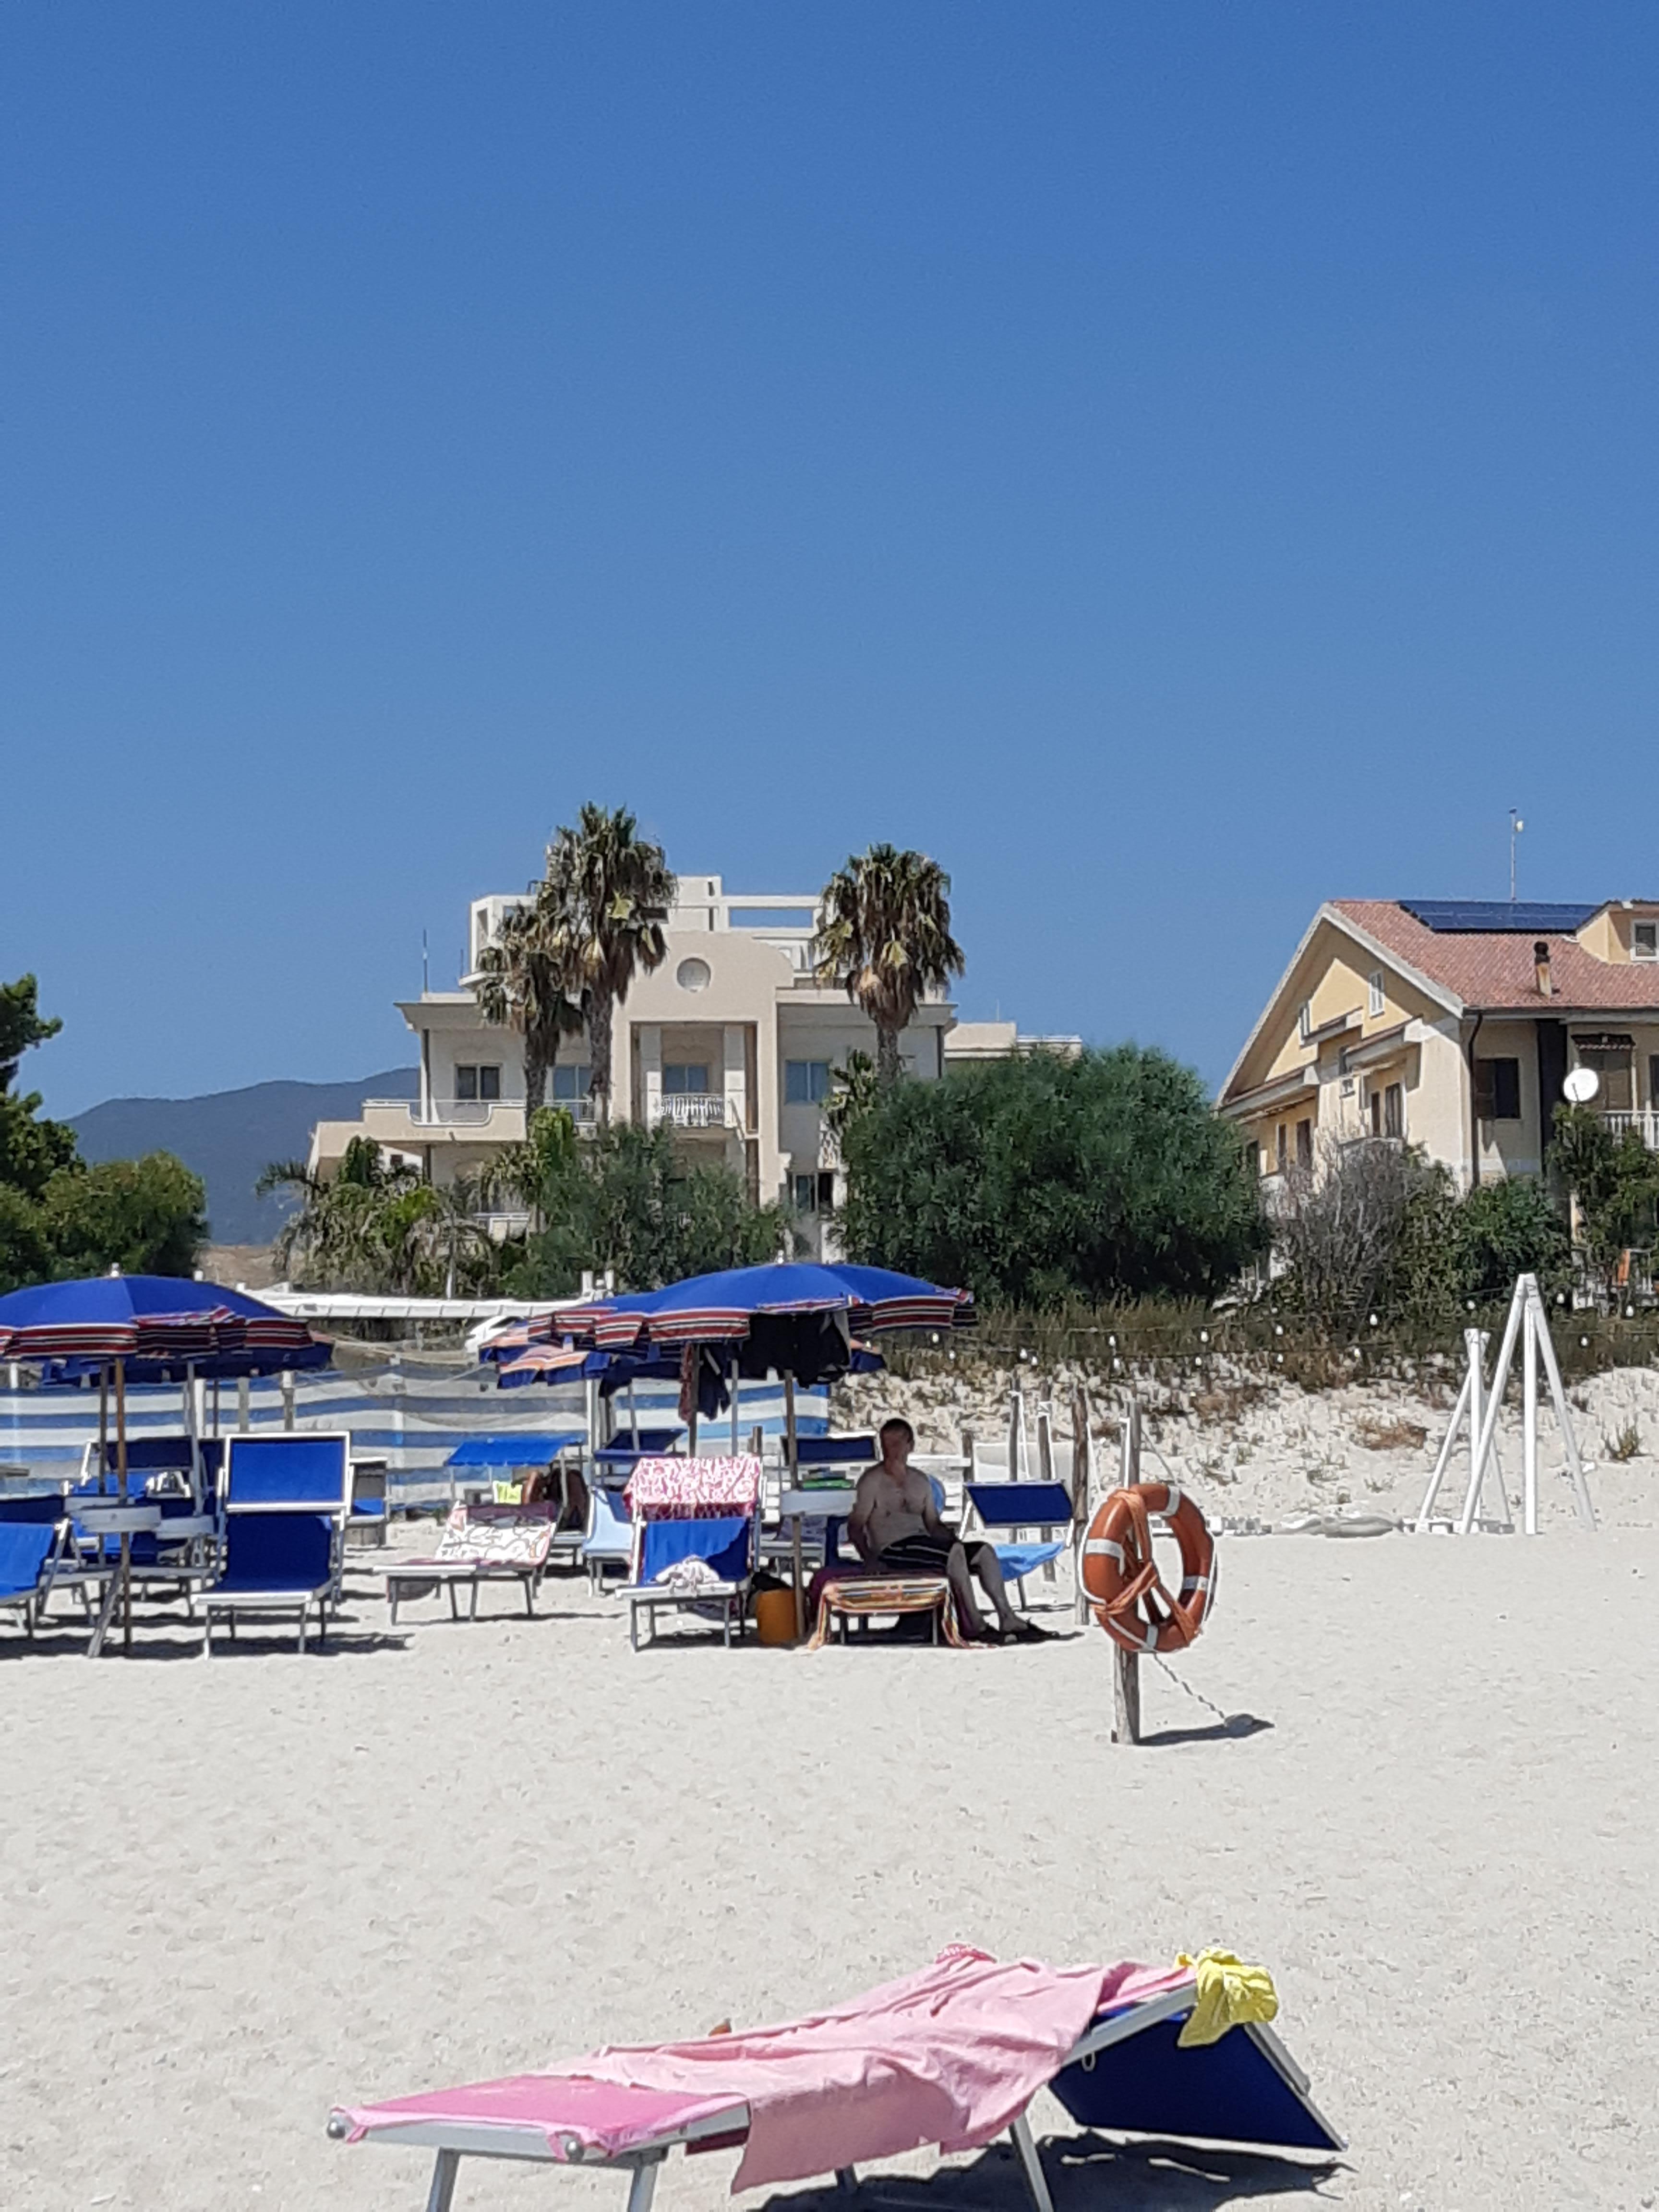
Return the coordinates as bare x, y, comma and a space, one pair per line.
1453, 1024
731, 1043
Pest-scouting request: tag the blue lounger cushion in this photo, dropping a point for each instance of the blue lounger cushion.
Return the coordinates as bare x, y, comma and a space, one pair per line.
1232, 2091
723, 1543
277, 1552
25, 1547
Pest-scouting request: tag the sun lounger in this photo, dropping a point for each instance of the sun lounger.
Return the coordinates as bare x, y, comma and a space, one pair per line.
609, 1539
1045, 1506
480, 1543
811, 2097
725, 1547
31, 1552
286, 1499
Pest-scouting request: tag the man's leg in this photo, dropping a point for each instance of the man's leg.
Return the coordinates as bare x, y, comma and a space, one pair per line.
962, 1589
988, 1568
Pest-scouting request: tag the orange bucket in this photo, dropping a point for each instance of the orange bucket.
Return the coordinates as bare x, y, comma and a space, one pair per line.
774, 1616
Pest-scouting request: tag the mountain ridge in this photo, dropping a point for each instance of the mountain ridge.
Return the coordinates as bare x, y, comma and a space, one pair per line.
229, 1137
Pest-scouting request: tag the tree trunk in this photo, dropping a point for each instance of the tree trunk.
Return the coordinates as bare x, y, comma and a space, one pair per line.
887, 1057
599, 1031
535, 1080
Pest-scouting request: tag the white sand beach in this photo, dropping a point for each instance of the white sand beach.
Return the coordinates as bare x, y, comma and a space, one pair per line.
239, 1891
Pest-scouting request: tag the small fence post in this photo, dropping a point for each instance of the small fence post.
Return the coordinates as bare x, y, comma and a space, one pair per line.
1125, 1670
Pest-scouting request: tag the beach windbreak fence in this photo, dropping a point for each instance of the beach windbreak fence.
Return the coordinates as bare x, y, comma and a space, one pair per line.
411, 1418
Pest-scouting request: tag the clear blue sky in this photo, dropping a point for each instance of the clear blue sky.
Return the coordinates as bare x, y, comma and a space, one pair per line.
1174, 463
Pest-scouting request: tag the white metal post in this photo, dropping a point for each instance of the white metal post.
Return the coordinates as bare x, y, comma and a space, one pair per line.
1474, 1346
1558, 1399
1529, 1422
1444, 1459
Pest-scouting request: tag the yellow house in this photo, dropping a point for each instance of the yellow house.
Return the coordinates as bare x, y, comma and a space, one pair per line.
1453, 1024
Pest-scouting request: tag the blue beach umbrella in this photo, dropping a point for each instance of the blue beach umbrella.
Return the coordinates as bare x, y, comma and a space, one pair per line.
135, 1328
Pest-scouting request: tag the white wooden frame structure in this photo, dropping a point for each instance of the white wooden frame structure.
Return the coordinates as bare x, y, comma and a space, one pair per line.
1476, 1413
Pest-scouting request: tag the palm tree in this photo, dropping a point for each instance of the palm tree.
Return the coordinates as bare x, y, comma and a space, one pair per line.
522, 985
884, 934
605, 896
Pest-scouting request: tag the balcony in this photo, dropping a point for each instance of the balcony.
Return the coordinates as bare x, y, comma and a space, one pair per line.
691, 1109
1645, 1124
402, 1120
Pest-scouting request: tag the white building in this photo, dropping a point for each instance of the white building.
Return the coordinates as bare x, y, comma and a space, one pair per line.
731, 1041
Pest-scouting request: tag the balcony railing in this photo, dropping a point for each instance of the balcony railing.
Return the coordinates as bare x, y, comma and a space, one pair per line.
445, 1113
691, 1109
1646, 1126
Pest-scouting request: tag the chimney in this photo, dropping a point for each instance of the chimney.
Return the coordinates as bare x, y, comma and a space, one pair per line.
1540, 958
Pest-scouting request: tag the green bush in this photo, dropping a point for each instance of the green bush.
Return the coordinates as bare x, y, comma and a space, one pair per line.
625, 1198
1031, 1180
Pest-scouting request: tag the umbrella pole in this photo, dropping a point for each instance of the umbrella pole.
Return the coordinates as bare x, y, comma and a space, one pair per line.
735, 1405
103, 1422
792, 1482
633, 1414
121, 1474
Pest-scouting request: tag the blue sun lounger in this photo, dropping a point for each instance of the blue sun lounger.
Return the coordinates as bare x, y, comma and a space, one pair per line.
1040, 1506
286, 1499
30, 1550
726, 1546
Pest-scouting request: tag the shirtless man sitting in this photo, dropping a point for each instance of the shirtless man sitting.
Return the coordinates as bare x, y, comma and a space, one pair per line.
896, 1528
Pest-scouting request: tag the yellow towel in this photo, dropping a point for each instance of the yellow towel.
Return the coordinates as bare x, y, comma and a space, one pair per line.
1229, 1994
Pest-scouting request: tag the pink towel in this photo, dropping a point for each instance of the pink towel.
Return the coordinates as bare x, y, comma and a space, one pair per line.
949, 2055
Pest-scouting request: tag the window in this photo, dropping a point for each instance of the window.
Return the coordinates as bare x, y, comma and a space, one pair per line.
1613, 1064
1394, 1110
805, 1082
1304, 1020
685, 1076
1645, 940
571, 1083
1281, 1157
1376, 1001
814, 1194
478, 1082
1304, 1144
1377, 1113
1497, 1090
1256, 1156
1653, 1080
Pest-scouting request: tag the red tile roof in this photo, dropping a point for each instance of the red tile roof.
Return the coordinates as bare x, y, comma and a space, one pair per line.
1493, 970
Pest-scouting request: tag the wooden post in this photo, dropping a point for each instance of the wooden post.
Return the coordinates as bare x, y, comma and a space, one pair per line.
1126, 1672
285, 1384
1045, 1452
1082, 1501
121, 1471
792, 1482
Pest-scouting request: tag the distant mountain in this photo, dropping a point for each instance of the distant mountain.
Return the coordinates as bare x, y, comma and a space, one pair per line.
229, 1137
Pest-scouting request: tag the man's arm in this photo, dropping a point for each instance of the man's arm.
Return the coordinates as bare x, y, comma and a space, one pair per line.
858, 1522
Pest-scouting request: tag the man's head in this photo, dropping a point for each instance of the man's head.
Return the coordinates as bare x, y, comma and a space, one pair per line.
897, 1439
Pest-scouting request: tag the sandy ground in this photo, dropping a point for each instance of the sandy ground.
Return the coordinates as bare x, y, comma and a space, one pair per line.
238, 1891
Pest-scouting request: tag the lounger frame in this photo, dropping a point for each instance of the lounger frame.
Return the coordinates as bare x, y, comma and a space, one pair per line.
454, 2142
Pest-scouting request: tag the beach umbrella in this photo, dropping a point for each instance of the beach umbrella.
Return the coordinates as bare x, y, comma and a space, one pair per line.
811, 1309
134, 1327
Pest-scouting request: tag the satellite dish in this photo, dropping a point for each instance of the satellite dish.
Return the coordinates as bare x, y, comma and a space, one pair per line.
1581, 1085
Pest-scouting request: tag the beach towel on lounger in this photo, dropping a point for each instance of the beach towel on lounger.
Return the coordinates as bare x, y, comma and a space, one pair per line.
951, 2056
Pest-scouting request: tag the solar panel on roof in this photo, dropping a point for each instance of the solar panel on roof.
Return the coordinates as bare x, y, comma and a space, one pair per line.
1449, 917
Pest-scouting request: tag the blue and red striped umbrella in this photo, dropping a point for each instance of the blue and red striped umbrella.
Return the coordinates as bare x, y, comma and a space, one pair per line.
150, 1318
721, 1307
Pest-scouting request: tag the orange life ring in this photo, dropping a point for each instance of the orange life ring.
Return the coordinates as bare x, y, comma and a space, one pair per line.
1121, 1577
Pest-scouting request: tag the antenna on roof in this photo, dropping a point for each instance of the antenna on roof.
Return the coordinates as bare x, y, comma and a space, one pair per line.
1517, 825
